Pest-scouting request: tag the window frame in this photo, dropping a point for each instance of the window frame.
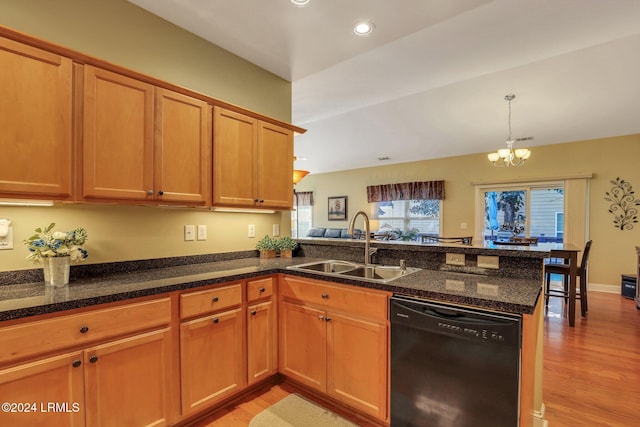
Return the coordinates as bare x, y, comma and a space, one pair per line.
481, 189
406, 219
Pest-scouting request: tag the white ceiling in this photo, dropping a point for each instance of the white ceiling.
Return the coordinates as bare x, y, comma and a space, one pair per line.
430, 81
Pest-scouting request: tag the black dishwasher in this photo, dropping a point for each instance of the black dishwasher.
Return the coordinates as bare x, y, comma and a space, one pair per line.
453, 366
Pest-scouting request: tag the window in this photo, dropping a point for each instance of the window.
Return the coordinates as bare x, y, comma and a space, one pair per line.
419, 215
525, 211
302, 215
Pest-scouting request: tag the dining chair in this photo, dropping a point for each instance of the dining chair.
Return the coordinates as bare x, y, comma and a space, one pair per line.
554, 267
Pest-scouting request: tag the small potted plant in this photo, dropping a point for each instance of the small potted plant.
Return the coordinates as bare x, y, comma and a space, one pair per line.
267, 247
286, 245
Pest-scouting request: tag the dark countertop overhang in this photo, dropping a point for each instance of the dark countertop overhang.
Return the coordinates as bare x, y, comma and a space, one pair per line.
493, 293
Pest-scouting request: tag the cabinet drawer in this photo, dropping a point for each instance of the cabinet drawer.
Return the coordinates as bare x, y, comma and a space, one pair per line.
348, 299
202, 302
260, 288
43, 336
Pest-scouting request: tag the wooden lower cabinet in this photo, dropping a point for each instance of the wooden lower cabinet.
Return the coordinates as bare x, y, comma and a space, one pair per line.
58, 379
124, 382
333, 351
357, 363
127, 381
303, 345
211, 359
262, 341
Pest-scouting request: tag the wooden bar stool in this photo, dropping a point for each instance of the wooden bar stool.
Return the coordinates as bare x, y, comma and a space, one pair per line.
563, 269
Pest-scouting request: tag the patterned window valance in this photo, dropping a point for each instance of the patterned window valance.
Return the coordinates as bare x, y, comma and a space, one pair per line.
303, 198
406, 191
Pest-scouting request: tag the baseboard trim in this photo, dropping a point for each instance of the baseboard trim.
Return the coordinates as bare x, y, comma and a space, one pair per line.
601, 287
538, 417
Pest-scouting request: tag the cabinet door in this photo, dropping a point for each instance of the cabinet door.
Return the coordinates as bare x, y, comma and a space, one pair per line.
36, 122
262, 343
211, 359
182, 148
357, 363
128, 382
275, 166
234, 158
54, 385
303, 344
117, 136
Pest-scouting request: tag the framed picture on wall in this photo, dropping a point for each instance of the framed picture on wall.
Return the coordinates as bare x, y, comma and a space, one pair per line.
337, 208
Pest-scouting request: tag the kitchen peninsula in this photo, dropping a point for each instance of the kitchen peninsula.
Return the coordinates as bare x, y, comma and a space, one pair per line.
162, 307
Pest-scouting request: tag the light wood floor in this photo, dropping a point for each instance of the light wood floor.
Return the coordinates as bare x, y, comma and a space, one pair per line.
591, 371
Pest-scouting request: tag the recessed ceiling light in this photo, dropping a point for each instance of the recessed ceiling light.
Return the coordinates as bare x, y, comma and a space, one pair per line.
300, 3
363, 28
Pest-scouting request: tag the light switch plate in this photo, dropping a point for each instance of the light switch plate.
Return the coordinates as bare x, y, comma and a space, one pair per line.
202, 232
276, 230
454, 259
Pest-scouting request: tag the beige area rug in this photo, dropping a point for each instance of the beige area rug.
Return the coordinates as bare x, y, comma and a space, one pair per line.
296, 411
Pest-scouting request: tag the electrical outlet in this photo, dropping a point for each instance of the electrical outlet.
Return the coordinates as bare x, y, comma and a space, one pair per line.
202, 232
276, 230
252, 230
454, 259
6, 234
189, 232
485, 261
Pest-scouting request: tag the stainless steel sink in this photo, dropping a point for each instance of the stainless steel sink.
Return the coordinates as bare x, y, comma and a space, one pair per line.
383, 273
329, 266
372, 273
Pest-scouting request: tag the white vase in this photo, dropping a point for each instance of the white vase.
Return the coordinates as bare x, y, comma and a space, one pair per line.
59, 271
46, 271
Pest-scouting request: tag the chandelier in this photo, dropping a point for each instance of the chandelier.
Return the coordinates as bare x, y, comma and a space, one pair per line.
507, 157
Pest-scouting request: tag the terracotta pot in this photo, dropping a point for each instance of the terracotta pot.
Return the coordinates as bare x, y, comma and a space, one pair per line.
268, 254
286, 253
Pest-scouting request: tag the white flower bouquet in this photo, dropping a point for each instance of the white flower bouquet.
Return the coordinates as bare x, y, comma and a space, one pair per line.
46, 244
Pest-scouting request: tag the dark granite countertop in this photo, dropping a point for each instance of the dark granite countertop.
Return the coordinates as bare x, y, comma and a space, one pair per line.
490, 248
493, 293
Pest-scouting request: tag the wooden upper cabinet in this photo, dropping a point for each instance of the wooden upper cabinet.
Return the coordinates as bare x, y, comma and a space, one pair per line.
234, 137
117, 137
275, 166
143, 143
182, 148
252, 162
36, 123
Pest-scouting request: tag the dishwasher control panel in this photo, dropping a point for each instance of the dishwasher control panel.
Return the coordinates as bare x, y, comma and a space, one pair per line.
462, 322
484, 334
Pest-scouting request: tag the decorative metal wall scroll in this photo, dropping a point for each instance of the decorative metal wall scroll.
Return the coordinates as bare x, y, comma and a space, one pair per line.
622, 200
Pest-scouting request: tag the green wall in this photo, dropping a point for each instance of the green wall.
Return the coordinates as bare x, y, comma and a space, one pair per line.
124, 34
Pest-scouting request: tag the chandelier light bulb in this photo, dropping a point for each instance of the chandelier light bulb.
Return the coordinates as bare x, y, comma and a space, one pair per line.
507, 157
